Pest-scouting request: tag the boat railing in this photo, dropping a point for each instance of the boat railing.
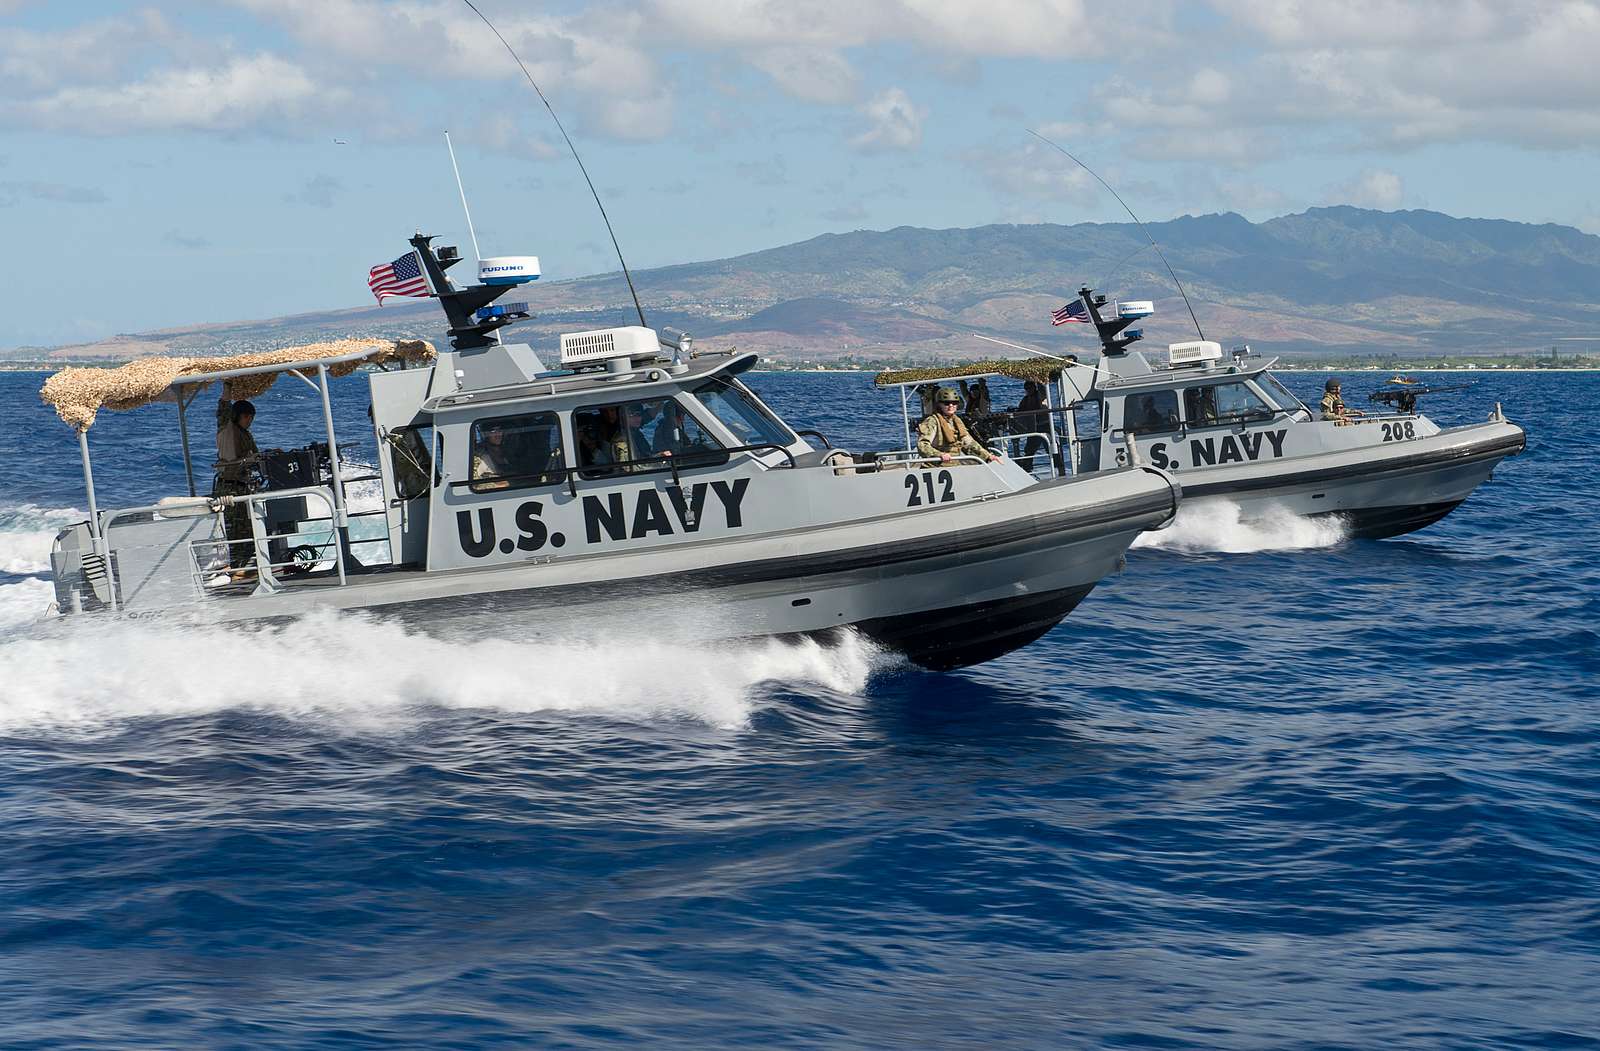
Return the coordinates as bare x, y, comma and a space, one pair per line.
913, 458
1007, 445
314, 540
104, 548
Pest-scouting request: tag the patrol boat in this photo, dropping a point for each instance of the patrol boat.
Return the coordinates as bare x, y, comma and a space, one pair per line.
1226, 427
639, 488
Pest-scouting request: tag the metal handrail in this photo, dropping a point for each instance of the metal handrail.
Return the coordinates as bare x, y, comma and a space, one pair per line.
263, 498
912, 454
818, 435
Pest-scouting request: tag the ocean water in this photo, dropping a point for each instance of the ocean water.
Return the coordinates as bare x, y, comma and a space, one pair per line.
1266, 788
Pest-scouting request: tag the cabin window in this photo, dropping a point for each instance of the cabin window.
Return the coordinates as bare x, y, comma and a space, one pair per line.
639, 436
1222, 403
1278, 392
1147, 413
411, 457
515, 452
739, 411
1086, 417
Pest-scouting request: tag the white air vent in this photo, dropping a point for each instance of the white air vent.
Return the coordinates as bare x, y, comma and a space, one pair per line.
1194, 352
578, 348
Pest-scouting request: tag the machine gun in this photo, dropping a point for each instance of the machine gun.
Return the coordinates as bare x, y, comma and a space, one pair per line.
1403, 393
296, 468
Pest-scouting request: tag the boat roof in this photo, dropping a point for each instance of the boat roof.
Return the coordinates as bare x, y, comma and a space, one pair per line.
1039, 369
1181, 375
77, 394
635, 375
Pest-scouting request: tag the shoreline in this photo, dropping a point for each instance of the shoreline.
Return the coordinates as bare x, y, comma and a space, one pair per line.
35, 367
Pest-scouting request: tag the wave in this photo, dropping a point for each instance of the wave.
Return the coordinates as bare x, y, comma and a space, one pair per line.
352, 669
26, 533
24, 602
1219, 525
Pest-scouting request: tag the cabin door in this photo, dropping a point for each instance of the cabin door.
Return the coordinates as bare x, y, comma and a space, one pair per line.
410, 454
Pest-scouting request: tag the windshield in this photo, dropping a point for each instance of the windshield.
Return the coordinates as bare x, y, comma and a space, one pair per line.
738, 410
1278, 392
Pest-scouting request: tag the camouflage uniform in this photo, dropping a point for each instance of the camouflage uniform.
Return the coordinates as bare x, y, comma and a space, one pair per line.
1333, 408
236, 452
941, 434
486, 464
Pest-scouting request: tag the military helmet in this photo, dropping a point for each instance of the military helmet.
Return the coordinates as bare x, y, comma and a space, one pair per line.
946, 396
1332, 384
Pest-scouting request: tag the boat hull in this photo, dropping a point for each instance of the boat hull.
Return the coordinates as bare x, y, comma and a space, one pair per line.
956, 585
1398, 492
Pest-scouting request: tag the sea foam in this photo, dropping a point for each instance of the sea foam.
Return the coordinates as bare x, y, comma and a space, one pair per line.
1219, 525
356, 670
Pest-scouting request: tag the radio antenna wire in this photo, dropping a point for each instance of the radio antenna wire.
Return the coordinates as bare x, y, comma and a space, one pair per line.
1135, 218
559, 127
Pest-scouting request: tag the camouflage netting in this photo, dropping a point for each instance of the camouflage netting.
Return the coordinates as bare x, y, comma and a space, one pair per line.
78, 393
1041, 369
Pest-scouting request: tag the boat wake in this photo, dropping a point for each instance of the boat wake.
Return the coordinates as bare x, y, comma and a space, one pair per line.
367, 675
26, 533
1218, 525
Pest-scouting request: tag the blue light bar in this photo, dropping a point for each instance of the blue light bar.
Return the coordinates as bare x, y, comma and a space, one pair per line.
503, 310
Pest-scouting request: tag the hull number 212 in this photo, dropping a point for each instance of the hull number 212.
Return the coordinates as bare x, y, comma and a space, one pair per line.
920, 488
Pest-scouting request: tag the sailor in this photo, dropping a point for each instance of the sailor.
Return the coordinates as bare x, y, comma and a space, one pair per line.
491, 459
236, 463
634, 417
1333, 407
670, 436
1200, 403
976, 396
944, 436
1027, 420
1144, 416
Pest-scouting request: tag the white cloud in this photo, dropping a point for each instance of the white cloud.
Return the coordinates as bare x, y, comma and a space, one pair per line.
1037, 172
1372, 188
243, 92
1038, 28
597, 65
896, 122
809, 74
96, 52
1379, 23
1369, 74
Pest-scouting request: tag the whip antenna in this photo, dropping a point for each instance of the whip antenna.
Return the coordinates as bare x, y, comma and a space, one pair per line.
476, 251
592, 191
1135, 218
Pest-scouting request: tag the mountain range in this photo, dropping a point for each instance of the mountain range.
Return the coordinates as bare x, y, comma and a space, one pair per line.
1328, 279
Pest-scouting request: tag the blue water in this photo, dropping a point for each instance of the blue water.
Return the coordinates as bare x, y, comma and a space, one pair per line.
1268, 788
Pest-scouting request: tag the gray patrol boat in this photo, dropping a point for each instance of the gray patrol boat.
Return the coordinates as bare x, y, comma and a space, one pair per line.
1226, 427
639, 488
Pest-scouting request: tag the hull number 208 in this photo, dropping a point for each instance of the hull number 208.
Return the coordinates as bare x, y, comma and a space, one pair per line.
1399, 431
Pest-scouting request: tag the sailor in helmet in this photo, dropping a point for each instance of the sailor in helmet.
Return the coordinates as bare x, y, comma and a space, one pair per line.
944, 436
1333, 407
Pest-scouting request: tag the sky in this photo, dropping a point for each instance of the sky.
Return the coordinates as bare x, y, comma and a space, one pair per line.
177, 163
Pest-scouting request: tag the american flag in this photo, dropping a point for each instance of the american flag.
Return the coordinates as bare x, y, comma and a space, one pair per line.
1073, 311
403, 277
